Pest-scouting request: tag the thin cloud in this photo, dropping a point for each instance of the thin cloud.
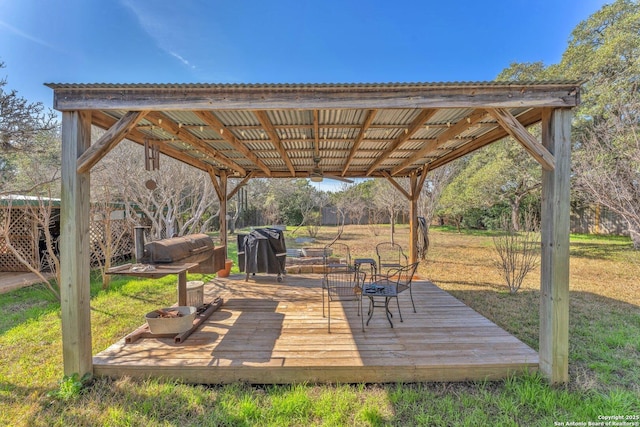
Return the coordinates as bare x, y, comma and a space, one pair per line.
155, 26
184, 61
24, 35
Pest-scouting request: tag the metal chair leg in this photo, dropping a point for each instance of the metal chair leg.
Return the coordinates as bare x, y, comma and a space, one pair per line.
411, 295
399, 312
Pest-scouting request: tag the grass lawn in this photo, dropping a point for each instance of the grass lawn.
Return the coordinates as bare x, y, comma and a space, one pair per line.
604, 352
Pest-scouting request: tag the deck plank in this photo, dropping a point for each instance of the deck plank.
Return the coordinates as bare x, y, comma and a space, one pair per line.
270, 332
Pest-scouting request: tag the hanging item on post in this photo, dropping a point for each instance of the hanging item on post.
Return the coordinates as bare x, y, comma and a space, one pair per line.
151, 155
423, 238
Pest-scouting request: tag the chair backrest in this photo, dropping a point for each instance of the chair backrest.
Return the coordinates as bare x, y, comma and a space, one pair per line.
390, 255
344, 284
337, 255
403, 276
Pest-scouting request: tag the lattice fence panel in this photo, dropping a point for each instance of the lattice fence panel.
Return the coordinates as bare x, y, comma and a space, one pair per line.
121, 235
23, 237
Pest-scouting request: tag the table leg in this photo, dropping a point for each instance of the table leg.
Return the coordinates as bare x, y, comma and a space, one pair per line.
372, 304
386, 309
182, 288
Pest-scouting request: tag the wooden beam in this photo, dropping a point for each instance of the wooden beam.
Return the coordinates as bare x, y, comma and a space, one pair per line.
396, 185
309, 97
75, 294
520, 134
371, 114
214, 180
415, 191
240, 185
109, 139
105, 121
223, 210
554, 265
413, 218
316, 135
211, 120
275, 139
526, 119
164, 122
442, 139
416, 124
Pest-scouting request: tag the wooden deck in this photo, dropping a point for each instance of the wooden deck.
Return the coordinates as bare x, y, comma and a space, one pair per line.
270, 332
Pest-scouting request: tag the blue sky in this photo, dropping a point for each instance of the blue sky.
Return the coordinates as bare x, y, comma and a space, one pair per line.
292, 41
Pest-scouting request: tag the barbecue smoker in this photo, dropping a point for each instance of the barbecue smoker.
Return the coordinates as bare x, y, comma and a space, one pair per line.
193, 248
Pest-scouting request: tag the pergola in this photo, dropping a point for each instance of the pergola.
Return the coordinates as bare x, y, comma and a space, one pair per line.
313, 130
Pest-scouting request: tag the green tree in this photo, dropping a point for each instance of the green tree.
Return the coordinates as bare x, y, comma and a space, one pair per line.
604, 51
500, 173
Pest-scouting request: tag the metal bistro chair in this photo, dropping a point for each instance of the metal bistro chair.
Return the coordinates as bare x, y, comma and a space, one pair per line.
402, 278
337, 256
343, 285
390, 256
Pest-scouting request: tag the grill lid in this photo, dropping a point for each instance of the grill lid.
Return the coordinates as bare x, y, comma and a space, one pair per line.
191, 248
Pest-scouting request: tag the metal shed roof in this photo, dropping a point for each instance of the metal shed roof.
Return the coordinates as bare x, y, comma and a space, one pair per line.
352, 130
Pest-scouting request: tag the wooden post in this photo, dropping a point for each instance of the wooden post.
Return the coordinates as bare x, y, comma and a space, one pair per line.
554, 275
413, 218
223, 210
74, 246
182, 288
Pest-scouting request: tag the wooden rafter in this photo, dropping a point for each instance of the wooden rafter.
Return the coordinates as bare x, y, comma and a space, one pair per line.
441, 139
415, 191
526, 119
211, 120
275, 139
105, 121
520, 134
116, 133
240, 185
371, 114
213, 174
214, 180
316, 135
424, 115
164, 122
395, 184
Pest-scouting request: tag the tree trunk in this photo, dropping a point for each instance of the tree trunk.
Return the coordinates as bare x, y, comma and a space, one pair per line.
634, 233
392, 220
515, 212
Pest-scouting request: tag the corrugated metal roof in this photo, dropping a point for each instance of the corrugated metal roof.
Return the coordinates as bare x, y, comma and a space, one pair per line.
303, 85
392, 140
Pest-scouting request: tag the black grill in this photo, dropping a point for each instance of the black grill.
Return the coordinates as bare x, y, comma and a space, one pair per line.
262, 251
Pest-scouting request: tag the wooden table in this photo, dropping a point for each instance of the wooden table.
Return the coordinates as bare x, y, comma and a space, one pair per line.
156, 271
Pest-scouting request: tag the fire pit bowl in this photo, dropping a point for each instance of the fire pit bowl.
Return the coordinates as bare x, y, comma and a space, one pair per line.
171, 325
316, 252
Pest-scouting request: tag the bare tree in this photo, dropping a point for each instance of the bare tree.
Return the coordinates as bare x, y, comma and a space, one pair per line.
608, 170
387, 197
40, 214
518, 251
341, 201
604, 51
111, 235
434, 184
182, 202
313, 218
375, 218
22, 125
